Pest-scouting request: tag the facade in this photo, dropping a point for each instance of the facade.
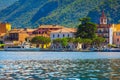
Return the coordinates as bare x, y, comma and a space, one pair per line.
63, 32
105, 30
2, 37
116, 35
5, 27
45, 30
17, 36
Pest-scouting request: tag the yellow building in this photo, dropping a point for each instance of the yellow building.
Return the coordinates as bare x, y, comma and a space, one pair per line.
16, 36
5, 27
116, 35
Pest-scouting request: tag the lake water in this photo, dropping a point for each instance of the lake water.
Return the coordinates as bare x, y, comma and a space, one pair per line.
59, 65
57, 55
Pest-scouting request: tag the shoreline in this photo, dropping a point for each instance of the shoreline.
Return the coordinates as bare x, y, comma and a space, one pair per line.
49, 50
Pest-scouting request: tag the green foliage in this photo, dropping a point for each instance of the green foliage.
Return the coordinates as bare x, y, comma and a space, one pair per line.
111, 45
87, 41
86, 29
64, 42
110, 7
77, 40
97, 41
58, 40
40, 40
71, 40
2, 45
6, 3
67, 13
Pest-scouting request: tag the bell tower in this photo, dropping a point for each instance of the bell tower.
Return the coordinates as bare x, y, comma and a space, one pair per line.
103, 18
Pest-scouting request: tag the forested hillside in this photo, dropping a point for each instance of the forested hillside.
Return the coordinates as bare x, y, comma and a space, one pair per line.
5, 3
31, 13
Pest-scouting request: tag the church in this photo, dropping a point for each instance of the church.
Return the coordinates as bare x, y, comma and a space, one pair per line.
105, 30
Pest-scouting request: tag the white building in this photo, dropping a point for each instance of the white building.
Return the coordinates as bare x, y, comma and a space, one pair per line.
63, 32
67, 33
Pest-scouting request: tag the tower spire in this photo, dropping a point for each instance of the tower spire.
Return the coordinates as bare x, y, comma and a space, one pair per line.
103, 14
103, 18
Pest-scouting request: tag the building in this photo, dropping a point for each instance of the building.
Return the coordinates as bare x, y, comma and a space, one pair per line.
63, 32
16, 36
5, 27
116, 35
105, 30
45, 30
2, 37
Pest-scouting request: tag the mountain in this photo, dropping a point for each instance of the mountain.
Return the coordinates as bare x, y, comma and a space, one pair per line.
111, 9
31, 13
5, 3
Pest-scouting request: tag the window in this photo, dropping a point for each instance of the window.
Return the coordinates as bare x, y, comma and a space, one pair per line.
117, 39
68, 35
58, 35
63, 35
117, 33
53, 35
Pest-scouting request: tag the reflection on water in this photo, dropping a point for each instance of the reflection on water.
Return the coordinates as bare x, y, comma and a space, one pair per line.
88, 69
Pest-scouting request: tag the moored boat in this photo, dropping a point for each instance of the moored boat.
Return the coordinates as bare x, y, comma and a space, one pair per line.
23, 47
20, 48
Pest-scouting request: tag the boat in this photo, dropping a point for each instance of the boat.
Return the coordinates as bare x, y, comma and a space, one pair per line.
23, 47
114, 50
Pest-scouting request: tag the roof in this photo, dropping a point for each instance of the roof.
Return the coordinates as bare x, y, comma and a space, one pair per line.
29, 30
16, 31
50, 26
65, 30
103, 15
21, 30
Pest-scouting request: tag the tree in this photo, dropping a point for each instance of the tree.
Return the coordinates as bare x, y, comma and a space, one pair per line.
98, 41
86, 42
64, 42
40, 40
86, 29
57, 40
77, 40
70, 40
